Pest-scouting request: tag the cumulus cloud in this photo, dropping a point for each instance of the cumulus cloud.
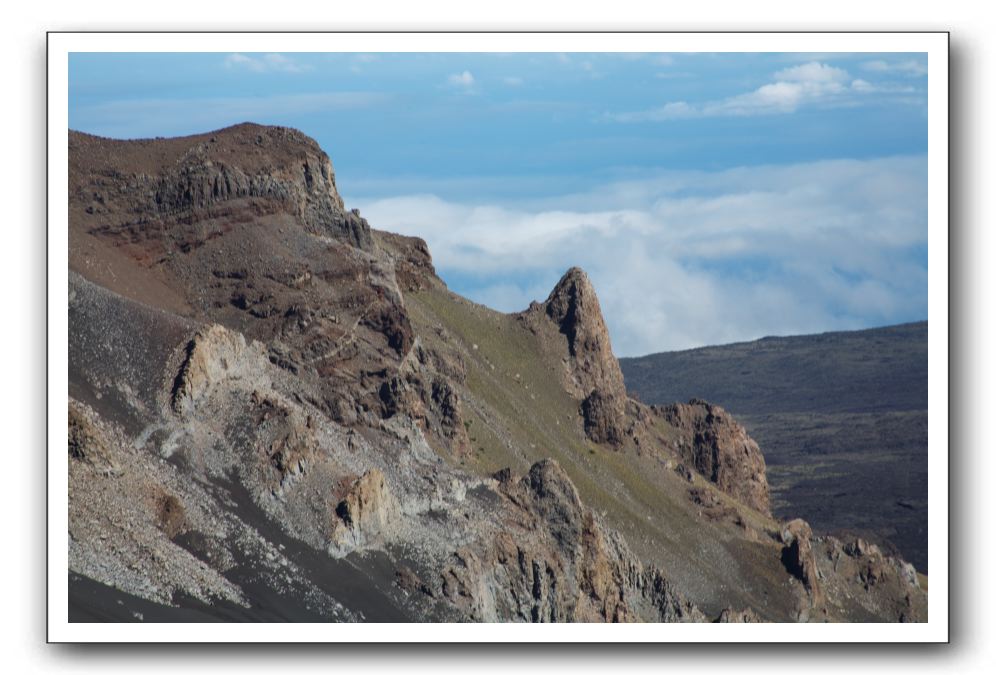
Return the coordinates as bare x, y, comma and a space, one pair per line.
512, 81
813, 72
464, 79
265, 63
685, 259
910, 67
807, 84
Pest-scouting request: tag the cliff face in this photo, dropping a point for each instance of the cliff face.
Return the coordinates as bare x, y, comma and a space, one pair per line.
180, 192
285, 415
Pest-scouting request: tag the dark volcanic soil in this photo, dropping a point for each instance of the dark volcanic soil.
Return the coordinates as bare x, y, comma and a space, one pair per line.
277, 413
841, 419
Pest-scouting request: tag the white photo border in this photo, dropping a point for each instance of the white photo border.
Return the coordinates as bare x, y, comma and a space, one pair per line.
934, 44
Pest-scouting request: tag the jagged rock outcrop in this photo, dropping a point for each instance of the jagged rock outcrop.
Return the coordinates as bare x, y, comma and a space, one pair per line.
213, 355
285, 440
268, 391
590, 370
367, 515
157, 190
719, 449
555, 562
424, 389
879, 581
730, 615
799, 558
573, 307
412, 261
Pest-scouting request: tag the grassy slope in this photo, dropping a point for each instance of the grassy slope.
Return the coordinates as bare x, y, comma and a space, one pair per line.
841, 418
518, 413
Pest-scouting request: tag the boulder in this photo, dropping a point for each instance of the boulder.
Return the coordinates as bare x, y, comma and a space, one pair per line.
367, 515
215, 354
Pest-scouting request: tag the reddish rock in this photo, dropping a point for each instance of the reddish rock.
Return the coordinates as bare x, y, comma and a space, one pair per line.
720, 449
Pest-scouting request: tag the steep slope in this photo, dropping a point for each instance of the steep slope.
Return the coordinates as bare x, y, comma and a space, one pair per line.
277, 413
842, 418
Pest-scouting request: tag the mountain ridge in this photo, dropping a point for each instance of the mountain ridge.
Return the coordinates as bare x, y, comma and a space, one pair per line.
842, 417
263, 389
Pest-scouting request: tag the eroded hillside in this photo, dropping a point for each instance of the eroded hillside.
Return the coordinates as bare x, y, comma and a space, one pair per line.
842, 418
277, 412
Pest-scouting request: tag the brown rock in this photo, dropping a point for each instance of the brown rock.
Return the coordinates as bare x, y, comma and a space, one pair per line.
84, 439
573, 307
412, 261
591, 372
239, 172
88, 442
170, 515
799, 559
603, 416
422, 390
720, 449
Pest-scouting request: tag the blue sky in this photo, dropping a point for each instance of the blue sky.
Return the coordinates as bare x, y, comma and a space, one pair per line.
711, 197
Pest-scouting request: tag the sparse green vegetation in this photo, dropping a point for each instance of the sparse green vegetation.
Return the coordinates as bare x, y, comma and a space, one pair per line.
512, 430
841, 419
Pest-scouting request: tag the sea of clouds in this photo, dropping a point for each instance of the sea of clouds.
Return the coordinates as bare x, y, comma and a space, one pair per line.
689, 258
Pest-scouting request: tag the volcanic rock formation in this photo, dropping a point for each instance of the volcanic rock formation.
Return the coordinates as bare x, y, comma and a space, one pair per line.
590, 371
277, 413
720, 449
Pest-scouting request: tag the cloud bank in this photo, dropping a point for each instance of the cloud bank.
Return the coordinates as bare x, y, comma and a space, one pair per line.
807, 84
690, 258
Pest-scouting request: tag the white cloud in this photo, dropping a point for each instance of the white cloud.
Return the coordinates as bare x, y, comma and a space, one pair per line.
265, 63
691, 258
512, 81
911, 67
464, 79
807, 84
812, 72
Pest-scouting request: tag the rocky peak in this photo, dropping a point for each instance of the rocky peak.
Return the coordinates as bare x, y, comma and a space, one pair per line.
573, 306
591, 371
128, 190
